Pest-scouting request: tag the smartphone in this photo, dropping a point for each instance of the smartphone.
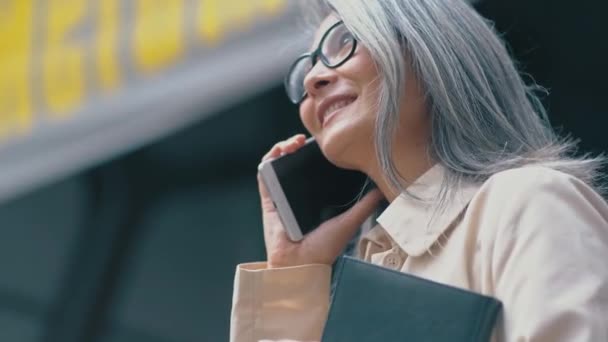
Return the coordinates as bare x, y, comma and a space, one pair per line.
307, 189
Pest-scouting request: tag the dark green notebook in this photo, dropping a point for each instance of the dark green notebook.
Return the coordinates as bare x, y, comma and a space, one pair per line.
372, 303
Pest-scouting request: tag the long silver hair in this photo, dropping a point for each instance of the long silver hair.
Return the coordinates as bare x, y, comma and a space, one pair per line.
485, 118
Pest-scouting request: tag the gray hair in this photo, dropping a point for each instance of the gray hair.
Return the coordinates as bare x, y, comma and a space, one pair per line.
485, 119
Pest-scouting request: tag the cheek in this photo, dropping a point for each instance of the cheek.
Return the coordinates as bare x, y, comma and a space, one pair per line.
362, 71
307, 115
362, 68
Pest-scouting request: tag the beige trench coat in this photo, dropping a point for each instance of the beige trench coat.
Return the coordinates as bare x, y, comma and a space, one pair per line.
535, 238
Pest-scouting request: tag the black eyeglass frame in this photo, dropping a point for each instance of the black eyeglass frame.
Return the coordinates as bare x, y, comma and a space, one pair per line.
315, 56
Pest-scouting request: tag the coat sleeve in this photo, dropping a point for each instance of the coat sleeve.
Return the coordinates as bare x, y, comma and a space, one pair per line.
549, 262
276, 304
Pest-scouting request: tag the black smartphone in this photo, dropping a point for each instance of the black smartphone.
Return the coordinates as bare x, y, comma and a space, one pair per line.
308, 189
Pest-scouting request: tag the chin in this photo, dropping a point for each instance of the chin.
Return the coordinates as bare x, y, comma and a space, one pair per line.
340, 148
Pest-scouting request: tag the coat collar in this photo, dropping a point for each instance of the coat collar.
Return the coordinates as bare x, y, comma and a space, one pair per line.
416, 225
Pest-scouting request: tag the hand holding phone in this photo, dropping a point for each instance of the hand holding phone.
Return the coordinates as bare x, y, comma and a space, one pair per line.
323, 244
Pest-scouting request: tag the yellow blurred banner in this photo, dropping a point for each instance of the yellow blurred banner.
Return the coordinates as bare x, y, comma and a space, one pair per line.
59, 56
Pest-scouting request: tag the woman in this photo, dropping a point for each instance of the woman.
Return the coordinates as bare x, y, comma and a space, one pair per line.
423, 97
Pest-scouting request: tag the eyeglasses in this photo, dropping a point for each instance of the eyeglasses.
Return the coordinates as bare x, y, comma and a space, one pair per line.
336, 46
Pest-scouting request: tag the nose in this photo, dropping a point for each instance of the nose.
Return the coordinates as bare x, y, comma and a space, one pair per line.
319, 78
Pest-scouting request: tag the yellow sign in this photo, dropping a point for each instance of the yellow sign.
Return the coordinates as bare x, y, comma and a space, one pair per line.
55, 55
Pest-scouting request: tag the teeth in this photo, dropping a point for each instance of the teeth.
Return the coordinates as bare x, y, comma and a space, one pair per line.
338, 105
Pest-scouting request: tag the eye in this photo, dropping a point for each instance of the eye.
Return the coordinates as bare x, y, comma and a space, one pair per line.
337, 45
346, 39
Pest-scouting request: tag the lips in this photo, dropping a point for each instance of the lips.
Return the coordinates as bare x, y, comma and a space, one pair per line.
332, 105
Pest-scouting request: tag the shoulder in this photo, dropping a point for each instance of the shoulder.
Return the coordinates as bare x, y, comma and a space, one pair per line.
543, 243
534, 182
537, 194
520, 181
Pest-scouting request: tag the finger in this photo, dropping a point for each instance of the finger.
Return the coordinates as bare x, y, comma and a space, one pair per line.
262, 188
294, 144
284, 146
287, 146
356, 215
341, 228
299, 137
274, 152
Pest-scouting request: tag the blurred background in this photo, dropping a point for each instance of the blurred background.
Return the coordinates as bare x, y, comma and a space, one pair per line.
130, 132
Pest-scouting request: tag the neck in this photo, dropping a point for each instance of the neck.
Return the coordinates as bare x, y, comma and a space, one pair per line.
410, 165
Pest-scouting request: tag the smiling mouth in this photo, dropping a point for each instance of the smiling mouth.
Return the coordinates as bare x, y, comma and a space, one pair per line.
335, 108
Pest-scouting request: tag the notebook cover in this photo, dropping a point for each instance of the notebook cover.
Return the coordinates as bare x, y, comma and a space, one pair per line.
373, 303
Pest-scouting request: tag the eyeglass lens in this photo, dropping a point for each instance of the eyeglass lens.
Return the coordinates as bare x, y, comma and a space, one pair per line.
336, 47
